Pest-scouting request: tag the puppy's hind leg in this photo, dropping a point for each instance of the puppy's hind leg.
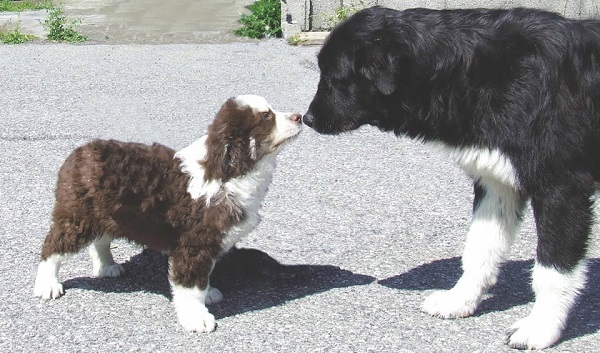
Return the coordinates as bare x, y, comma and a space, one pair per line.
47, 284
64, 238
497, 211
103, 263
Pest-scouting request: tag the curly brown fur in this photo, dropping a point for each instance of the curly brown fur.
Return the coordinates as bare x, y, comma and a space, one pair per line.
153, 196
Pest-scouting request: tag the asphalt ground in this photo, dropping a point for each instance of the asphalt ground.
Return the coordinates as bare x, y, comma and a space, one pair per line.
357, 229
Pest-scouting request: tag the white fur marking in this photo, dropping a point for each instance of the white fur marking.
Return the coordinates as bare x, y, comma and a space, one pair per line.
285, 127
253, 154
190, 163
103, 264
191, 310
556, 294
249, 191
484, 163
47, 285
490, 236
257, 103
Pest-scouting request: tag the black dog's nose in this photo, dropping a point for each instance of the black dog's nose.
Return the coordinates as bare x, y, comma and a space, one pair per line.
308, 119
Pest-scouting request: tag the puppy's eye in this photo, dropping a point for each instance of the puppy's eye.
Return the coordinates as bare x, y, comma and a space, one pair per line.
266, 116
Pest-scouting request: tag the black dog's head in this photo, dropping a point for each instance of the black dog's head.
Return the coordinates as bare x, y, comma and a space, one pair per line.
358, 74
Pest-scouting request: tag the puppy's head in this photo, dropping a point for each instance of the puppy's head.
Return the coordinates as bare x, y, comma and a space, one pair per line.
358, 72
245, 130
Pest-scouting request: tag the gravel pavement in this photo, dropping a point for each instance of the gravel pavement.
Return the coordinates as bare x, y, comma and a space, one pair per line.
357, 229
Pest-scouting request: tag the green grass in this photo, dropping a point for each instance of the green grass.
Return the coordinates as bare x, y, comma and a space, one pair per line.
297, 39
14, 36
62, 29
264, 22
18, 6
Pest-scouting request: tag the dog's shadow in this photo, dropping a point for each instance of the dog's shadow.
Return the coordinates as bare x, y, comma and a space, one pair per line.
513, 289
249, 279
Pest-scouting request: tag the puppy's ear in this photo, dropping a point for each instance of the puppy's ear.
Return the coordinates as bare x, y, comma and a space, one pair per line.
227, 161
228, 152
237, 159
378, 68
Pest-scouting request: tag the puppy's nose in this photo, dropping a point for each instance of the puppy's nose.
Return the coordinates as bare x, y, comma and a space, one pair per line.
308, 118
296, 117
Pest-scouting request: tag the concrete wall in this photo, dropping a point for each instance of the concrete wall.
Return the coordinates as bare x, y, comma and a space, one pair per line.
321, 15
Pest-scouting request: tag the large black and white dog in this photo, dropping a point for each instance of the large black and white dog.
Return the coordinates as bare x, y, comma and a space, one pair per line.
514, 95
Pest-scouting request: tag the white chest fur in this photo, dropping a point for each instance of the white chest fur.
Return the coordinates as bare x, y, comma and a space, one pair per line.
484, 163
248, 191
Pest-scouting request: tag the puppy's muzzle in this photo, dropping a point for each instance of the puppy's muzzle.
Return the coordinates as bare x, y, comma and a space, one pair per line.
296, 118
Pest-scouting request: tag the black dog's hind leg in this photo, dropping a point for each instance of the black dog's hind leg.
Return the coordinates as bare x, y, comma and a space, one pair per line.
564, 216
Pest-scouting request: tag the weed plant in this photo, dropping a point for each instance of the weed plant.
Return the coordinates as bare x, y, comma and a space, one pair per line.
15, 36
62, 29
343, 12
264, 22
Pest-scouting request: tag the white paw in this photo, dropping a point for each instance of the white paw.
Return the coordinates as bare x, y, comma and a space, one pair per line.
48, 289
533, 333
113, 270
198, 321
191, 310
449, 304
213, 296
47, 284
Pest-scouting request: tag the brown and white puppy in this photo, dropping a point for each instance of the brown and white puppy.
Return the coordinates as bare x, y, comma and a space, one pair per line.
194, 204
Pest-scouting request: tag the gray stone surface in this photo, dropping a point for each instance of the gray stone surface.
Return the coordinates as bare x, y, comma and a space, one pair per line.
156, 21
27, 22
295, 16
147, 21
312, 20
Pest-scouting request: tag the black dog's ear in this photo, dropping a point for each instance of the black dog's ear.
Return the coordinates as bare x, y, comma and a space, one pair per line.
378, 67
385, 82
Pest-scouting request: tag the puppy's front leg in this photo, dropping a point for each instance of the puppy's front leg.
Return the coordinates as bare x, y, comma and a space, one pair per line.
189, 276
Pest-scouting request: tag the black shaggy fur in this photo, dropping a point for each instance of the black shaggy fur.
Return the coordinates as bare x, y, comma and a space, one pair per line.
521, 81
